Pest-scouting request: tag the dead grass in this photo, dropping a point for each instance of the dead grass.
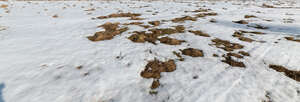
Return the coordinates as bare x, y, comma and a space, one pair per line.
116, 15
292, 39
241, 22
250, 16
154, 23
206, 14
192, 52
154, 68
199, 33
226, 45
170, 41
232, 62
182, 19
111, 30
289, 73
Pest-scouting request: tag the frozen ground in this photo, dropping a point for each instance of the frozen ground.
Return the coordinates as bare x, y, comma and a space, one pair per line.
40, 53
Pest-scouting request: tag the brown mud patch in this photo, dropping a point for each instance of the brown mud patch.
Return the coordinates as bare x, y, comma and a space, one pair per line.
289, 73
111, 30
226, 45
206, 14
199, 33
170, 41
154, 23
182, 19
231, 62
292, 39
192, 52
240, 22
116, 15
154, 68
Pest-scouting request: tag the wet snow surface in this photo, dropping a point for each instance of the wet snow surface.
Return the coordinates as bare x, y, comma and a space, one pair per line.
47, 57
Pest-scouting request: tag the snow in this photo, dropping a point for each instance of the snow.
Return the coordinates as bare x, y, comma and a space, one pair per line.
39, 54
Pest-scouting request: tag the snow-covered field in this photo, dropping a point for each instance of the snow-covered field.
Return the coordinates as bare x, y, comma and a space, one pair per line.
47, 57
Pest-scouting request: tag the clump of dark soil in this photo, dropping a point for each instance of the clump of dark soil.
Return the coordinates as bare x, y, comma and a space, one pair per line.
200, 10
142, 36
244, 53
252, 32
206, 14
226, 45
136, 18
178, 55
192, 52
235, 55
170, 41
250, 16
111, 30
154, 68
134, 23
241, 37
240, 22
199, 33
154, 23
292, 39
289, 73
182, 19
232, 62
116, 15
267, 6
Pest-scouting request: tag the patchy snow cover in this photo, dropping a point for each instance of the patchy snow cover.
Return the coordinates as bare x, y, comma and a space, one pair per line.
46, 56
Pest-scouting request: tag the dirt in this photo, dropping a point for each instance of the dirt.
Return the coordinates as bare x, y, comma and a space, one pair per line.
289, 73
206, 14
3, 6
232, 62
170, 41
199, 33
111, 30
154, 23
241, 37
250, 16
155, 84
116, 15
215, 55
134, 23
192, 52
178, 55
244, 53
200, 10
267, 6
240, 22
55, 16
246, 39
226, 45
182, 19
235, 55
154, 68
252, 32
292, 39
136, 18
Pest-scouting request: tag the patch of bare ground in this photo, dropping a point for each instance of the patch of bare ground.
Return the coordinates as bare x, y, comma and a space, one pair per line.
252, 32
289, 73
226, 45
116, 15
192, 52
3, 6
199, 33
178, 55
182, 19
134, 23
136, 18
154, 23
170, 41
257, 26
250, 16
142, 36
240, 22
241, 37
244, 53
267, 6
206, 14
200, 10
292, 39
154, 68
111, 30
231, 62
